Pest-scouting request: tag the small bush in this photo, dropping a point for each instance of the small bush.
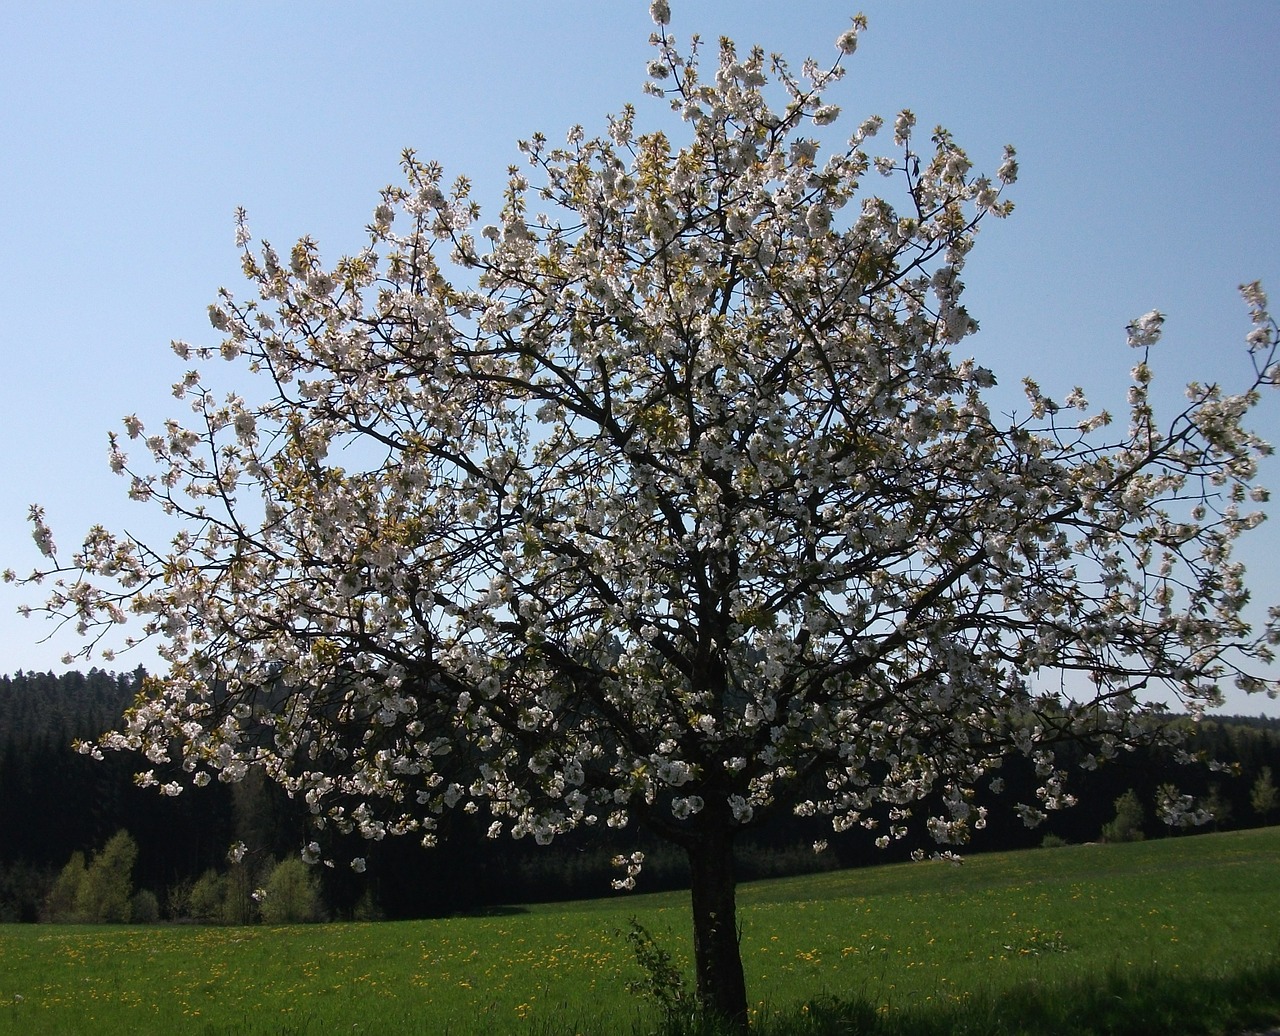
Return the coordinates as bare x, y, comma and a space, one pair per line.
367, 908
206, 896
1127, 825
60, 907
291, 894
663, 981
145, 908
1264, 797
177, 899
24, 890
107, 888
238, 903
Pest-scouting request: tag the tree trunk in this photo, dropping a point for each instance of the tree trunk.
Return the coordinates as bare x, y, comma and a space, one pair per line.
722, 990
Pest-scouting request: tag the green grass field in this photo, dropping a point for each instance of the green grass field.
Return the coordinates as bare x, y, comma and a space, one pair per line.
1196, 919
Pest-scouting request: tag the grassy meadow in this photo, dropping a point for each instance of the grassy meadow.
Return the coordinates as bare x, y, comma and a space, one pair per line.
1179, 935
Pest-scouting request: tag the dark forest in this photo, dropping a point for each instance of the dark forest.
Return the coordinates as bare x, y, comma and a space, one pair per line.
55, 803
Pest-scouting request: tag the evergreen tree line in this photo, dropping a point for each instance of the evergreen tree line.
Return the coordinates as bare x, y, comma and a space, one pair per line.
82, 842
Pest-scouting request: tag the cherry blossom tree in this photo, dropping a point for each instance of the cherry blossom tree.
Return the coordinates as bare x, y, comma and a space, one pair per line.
664, 500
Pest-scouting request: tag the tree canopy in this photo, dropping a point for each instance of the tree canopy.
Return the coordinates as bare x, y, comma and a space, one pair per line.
665, 498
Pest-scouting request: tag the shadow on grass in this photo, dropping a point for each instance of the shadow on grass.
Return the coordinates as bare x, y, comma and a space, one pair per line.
492, 911
1121, 1002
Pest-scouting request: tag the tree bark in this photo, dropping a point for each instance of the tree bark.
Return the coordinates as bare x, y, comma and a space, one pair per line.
722, 990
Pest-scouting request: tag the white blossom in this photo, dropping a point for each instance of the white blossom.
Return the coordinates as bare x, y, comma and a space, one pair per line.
903, 125
847, 41
1145, 330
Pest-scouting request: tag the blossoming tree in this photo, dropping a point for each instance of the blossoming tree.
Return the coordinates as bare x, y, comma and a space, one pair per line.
663, 500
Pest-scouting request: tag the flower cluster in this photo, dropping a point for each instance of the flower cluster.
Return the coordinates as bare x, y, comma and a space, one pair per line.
631, 864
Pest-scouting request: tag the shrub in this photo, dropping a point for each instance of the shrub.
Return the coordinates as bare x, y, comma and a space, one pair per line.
24, 890
1264, 796
238, 904
107, 888
177, 899
60, 907
1127, 825
367, 908
291, 895
207, 895
663, 981
145, 908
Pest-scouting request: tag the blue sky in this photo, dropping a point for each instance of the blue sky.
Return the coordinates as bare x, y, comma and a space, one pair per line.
1148, 137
